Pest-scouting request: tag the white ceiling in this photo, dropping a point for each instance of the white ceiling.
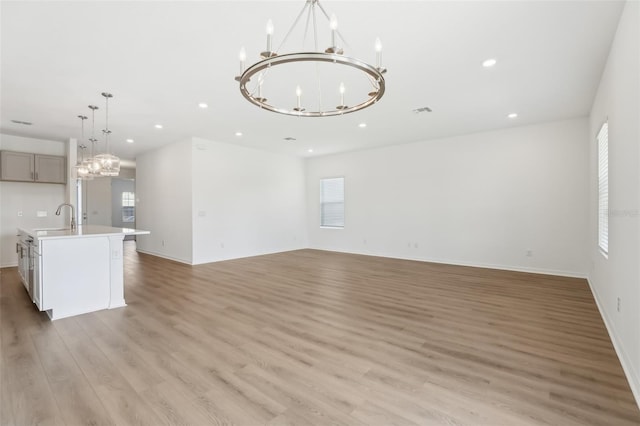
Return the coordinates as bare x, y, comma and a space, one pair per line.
160, 59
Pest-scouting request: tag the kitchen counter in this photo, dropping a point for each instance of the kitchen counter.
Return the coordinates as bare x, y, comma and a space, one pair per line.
80, 232
73, 272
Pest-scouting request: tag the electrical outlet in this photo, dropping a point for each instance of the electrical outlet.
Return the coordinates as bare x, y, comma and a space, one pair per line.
618, 307
221, 245
364, 241
20, 213
415, 245
529, 253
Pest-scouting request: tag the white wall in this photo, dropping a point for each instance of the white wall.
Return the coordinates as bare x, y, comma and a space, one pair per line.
27, 198
618, 276
97, 200
246, 202
482, 199
210, 201
164, 201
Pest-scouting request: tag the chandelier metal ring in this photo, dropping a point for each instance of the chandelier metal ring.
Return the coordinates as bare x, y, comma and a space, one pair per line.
273, 61
272, 58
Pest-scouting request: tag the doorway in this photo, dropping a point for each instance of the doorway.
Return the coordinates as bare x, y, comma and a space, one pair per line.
110, 201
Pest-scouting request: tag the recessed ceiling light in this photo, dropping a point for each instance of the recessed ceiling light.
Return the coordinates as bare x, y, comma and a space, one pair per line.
489, 63
130, 140
310, 150
238, 134
513, 115
362, 125
422, 109
158, 126
203, 105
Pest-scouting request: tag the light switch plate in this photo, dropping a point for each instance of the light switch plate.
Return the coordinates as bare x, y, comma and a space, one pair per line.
41, 213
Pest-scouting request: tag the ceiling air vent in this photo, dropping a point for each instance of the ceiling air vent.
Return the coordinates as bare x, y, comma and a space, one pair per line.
25, 123
423, 109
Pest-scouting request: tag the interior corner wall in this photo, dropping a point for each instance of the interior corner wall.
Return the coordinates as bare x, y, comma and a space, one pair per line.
246, 202
617, 277
509, 199
20, 201
164, 200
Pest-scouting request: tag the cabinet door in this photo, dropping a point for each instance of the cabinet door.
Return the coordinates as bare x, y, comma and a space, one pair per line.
50, 168
17, 166
37, 282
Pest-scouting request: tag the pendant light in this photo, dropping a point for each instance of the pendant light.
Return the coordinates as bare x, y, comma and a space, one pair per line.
109, 163
93, 164
82, 169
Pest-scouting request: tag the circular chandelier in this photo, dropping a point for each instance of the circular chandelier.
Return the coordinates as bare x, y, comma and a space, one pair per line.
252, 78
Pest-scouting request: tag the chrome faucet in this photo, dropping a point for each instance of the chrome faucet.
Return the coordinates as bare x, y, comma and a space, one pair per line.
73, 214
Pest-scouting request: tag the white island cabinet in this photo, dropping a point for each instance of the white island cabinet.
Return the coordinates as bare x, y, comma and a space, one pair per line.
77, 271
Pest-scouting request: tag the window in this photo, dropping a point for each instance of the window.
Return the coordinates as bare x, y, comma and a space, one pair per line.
128, 207
332, 202
603, 188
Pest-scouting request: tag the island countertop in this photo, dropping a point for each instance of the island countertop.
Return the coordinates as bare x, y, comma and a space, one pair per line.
81, 231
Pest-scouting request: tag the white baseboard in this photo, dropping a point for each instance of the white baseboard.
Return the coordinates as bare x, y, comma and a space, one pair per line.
8, 265
569, 274
244, 256
164, 256
627, 366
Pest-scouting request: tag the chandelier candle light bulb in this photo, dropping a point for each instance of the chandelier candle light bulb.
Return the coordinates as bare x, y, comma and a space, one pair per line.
269, 29
333, 24
260, 82
298, 107
378, 53
342, 89
243, 57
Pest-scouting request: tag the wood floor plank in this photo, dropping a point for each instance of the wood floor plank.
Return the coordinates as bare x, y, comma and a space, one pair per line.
122, 402
315, 338
27, 398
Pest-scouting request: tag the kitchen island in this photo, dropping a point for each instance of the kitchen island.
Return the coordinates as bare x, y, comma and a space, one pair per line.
75, 271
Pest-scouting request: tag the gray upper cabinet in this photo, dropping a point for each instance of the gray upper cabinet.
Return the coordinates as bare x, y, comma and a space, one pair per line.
17, 166
50, 168
26, 167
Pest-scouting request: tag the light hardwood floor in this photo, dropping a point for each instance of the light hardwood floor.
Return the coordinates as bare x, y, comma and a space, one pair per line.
315, 338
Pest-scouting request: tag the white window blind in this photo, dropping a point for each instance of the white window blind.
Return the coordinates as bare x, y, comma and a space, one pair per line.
128, 207
603, 188
332, 202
